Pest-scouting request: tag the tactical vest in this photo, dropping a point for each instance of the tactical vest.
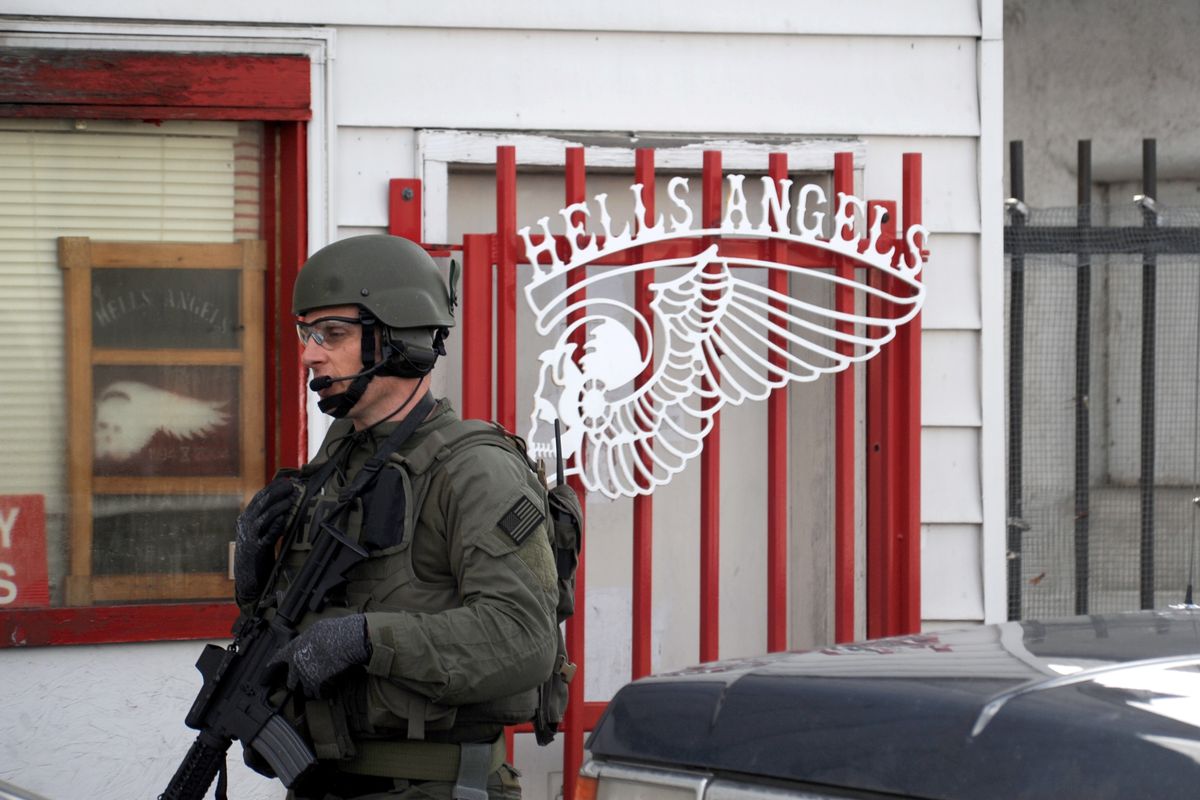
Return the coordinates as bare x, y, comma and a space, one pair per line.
370, 707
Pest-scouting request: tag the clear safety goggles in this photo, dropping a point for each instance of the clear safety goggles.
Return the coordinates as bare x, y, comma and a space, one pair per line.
328, 332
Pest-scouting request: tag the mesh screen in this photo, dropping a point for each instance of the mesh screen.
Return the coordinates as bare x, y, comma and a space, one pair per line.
1102, 356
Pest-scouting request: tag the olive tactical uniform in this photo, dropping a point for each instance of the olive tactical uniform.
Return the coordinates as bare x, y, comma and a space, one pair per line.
445, 631
459, 595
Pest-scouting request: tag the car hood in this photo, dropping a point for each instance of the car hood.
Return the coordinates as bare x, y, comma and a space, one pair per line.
1097, 706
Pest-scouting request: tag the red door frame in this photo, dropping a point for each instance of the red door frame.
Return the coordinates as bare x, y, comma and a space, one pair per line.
893, 383
157, 86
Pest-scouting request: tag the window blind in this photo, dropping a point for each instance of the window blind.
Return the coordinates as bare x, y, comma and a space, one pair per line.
181, 181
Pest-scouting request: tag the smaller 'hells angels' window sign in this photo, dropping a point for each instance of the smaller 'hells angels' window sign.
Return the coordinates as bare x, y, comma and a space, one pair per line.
164, 352
166, 419
154, 308
725, 336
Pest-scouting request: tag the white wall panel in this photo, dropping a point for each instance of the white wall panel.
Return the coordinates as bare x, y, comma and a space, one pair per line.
949, 178
367, 158
951, 572
950, 379
951, 277
991, 355
105, 722
917, 17
950, 486
571, 80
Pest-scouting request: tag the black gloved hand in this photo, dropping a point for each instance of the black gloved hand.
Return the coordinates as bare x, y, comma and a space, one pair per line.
324, 651
258, 528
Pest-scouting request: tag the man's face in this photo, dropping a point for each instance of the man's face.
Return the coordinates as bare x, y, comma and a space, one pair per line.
339, 351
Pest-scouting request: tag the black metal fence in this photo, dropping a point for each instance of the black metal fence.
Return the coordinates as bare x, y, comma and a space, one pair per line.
1103, 315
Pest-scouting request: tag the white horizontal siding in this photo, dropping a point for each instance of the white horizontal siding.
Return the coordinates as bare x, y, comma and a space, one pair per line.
950, 477
568, 80
917, 17
949, 178
950, 394
367, 158
951, 276
951, 572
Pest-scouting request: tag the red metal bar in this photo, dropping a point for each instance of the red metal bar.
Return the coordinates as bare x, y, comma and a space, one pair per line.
895, 442
404, 208
710, 458
506, 286
643, 505
908, 475
476, 318
273, 309
877, 490
576, 720
843, 435
777, 449
573, 723
884, 494
293, 249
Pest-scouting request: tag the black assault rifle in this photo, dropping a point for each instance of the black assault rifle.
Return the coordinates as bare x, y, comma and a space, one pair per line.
234, 701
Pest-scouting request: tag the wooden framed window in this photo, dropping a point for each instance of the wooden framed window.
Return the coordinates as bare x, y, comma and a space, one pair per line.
162, 176
165, 414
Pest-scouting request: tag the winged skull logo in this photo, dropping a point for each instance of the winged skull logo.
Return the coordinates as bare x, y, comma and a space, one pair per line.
718, 336
129, 413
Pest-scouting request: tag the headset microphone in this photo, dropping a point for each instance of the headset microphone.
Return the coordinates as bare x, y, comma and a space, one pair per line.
324, 382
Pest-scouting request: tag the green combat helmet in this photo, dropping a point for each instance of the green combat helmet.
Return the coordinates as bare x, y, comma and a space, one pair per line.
397, 286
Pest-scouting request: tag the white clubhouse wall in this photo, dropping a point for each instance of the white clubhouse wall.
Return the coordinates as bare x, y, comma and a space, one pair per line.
105, 722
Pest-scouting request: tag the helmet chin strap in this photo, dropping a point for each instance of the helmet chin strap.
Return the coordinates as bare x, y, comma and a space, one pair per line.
339, 405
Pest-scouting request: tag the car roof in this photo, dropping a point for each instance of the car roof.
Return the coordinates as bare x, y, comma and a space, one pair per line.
1097, 706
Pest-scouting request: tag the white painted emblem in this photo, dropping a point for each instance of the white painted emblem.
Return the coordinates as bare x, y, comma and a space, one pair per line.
129, 413
711, 327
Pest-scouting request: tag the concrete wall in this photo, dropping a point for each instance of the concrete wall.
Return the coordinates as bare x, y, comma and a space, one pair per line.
1114, 74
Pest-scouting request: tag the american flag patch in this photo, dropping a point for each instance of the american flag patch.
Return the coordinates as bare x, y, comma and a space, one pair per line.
521, 520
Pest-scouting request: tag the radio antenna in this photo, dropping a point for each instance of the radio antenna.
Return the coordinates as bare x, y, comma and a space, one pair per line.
558, 475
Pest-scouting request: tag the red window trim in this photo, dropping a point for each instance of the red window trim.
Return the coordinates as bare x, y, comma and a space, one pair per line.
113, 84
163, 86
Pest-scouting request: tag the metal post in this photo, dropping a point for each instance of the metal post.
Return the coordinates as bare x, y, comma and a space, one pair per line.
908, 456
573, 727
643, 504
506, 286
1083, 306
843, 436
1149, 287
477, 288
777, 447
710, 456
1016, 383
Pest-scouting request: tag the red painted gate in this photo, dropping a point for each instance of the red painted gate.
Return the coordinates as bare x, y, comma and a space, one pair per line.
892, 409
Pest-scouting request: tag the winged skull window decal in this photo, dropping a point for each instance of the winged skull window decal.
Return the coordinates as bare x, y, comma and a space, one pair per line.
716, 326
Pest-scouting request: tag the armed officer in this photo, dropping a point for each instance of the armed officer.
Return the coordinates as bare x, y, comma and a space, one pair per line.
404, 680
